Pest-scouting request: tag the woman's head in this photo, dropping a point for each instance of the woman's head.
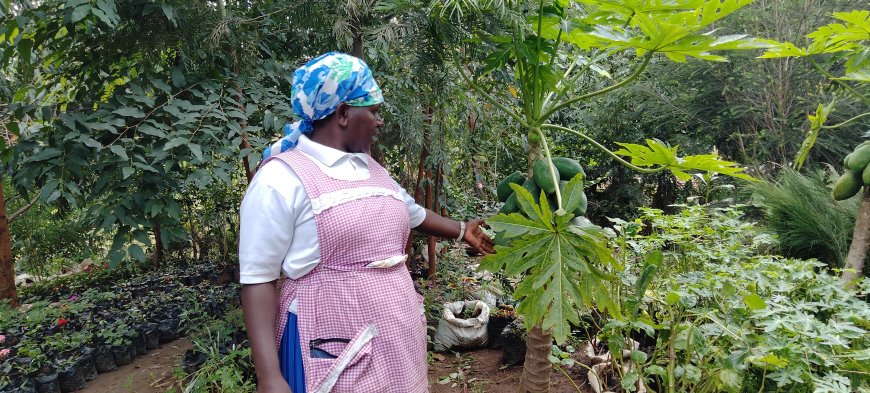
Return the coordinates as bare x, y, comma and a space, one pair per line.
333, 88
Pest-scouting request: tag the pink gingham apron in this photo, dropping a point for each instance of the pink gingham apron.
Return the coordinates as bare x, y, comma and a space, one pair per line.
342, 298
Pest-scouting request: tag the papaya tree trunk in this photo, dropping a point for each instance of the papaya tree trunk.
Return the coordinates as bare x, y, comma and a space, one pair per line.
536, 369
860, 241
7, 266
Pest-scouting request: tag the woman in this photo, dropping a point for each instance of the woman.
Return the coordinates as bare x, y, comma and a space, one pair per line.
328, 217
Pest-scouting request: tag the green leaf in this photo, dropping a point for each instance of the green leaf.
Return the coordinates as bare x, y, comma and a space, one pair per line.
731, 380
573, 193
639, 357
151, 130
107, 12
517, 257
196, 150
754, 302
90, 142
136, 252
79, 13
175, 142
45, 154
142, 236
672, 298
527, 204
671, 28
130, 111
119, 151
126, 171
178, 79
656, 153
769, 361
514, 225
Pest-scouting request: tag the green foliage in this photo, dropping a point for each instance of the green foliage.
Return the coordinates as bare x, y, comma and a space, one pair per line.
562, 264
46, 243
226, 369
736, 319
656, 153
846, 44
808, 223
849, 36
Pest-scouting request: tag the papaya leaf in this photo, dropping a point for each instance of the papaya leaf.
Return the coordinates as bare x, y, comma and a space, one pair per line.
514, 224
670, 28
656, 153
528, 205
572, 195
816, 122
511, 256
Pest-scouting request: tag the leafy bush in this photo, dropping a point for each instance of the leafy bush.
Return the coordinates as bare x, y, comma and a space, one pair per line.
46, 242
722, 316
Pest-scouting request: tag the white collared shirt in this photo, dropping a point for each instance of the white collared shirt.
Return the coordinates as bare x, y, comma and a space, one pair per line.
277, 228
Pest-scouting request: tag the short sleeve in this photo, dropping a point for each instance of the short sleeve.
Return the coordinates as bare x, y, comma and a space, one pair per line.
416, 213
263, 236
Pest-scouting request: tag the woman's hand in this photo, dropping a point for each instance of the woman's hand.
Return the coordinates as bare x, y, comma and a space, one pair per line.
273, 385
475, 237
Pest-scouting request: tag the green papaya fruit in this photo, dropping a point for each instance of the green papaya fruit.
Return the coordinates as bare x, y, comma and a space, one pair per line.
865, 176
847, 185
847, 161
510, 205
541, 175
584, 203
860, 159
568, 168
503, 191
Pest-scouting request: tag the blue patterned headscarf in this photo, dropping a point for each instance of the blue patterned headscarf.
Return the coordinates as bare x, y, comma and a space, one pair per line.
319, 86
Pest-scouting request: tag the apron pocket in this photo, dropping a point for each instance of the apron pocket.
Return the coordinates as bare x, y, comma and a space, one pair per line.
349, 370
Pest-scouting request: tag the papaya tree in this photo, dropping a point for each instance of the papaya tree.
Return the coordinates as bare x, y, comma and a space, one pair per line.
841, 46
547, 60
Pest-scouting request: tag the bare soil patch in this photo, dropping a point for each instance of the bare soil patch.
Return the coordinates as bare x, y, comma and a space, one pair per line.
482, 371
149, 373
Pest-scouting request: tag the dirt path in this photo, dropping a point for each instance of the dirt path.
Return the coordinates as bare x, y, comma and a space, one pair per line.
482, 371
149, 373
475, 371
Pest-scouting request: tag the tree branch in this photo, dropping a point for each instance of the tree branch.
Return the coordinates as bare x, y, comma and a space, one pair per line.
23, 209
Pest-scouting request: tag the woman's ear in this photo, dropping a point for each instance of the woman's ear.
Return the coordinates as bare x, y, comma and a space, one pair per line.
341, 113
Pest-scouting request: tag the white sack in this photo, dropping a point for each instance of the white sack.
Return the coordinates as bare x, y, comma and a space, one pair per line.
454, 332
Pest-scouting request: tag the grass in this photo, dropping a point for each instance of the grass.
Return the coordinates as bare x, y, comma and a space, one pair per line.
800, 210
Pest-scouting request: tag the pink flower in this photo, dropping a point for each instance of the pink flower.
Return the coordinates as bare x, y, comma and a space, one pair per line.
4, 353
73, 297
2, 338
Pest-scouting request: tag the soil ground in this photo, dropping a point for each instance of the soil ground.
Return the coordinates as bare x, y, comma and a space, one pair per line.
474, 371
482, 371
150, 373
